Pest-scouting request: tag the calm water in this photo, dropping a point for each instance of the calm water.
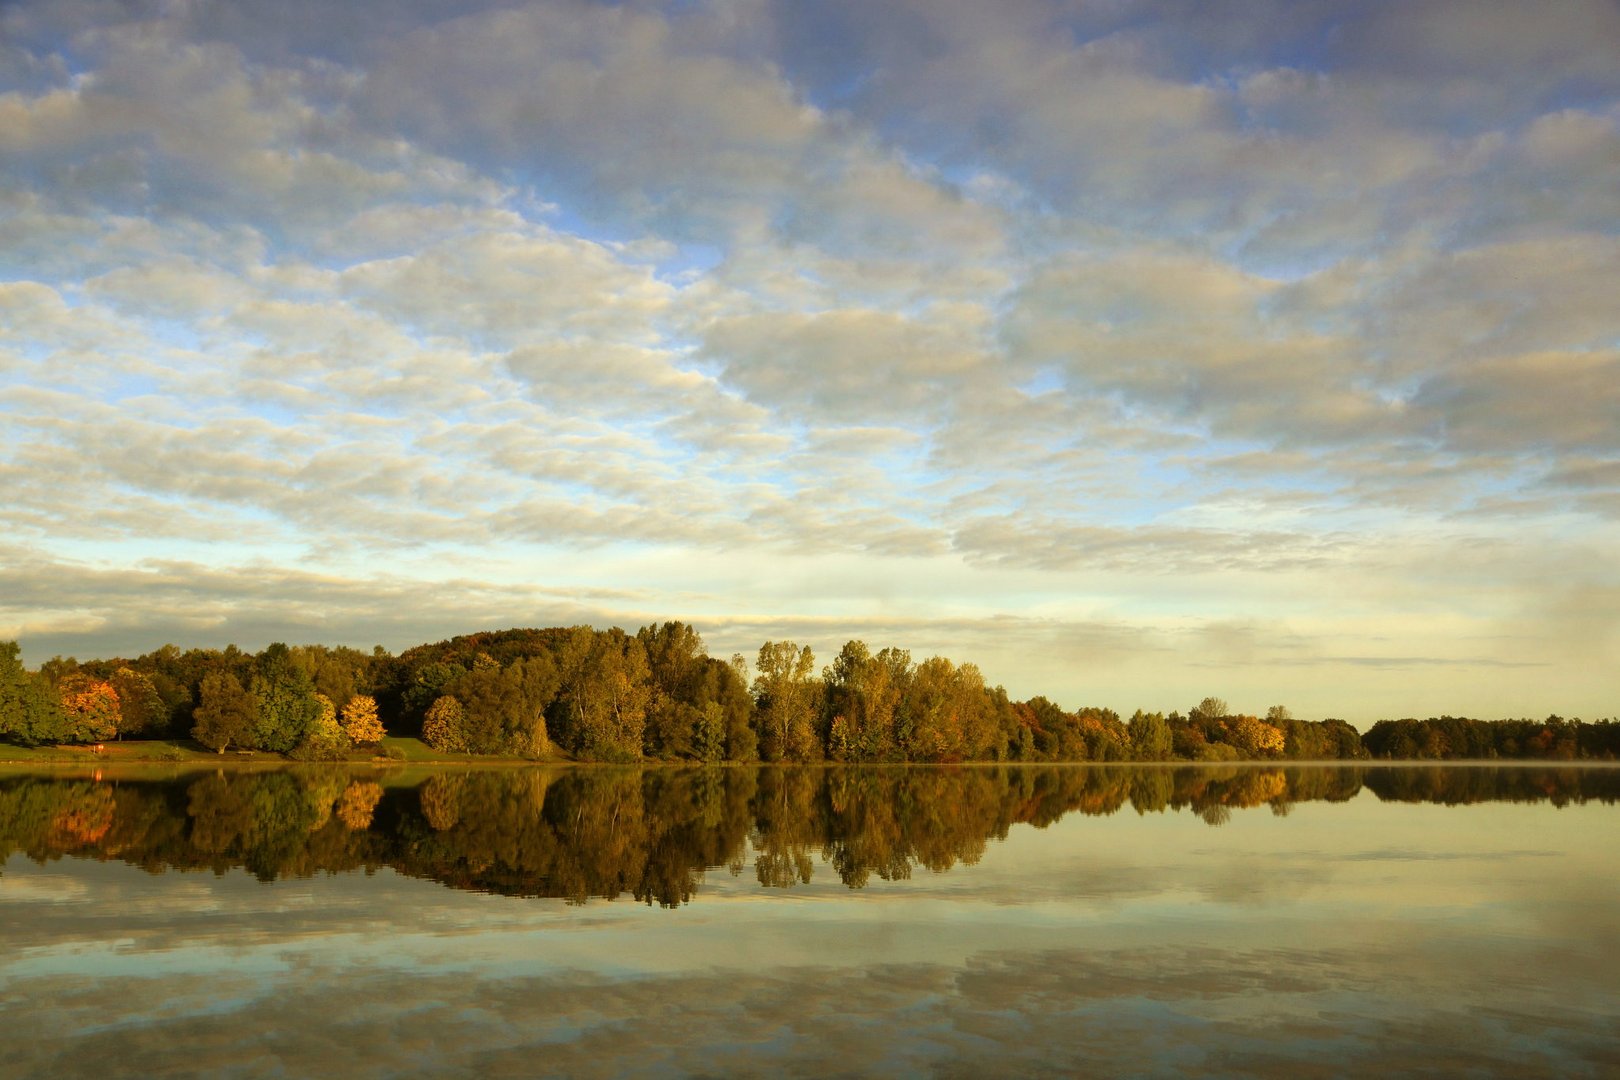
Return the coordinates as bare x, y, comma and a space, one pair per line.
961, 922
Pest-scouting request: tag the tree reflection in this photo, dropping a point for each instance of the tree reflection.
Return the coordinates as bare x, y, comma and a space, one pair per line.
652, 834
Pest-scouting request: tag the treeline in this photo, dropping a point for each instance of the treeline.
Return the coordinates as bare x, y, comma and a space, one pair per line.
1442, 738
606, 695
652, 833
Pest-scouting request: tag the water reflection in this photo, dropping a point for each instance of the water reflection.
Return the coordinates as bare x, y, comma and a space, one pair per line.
653, 833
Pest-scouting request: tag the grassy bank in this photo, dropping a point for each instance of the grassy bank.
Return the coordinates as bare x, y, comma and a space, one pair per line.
392, 750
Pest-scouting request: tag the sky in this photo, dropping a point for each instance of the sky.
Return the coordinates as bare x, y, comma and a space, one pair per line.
1136, 352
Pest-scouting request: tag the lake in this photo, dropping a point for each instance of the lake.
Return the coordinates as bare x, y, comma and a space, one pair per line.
981, 920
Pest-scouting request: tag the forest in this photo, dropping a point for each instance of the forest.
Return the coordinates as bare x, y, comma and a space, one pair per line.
579, 693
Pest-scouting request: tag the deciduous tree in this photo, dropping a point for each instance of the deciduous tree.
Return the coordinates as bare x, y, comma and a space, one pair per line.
786, 699
91, 707
326, 739
360, 721
225, 713
444, 726
29, 712
141, 710
285, 701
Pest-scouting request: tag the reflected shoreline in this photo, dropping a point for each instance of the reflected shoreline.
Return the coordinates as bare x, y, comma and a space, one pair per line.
607, 831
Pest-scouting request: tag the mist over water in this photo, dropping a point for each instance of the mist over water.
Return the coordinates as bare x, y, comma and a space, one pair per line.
601, 921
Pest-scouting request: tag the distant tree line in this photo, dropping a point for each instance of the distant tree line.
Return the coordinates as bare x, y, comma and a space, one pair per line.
606, 695
1442, 738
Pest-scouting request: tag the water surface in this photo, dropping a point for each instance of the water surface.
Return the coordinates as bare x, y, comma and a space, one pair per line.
1151, 921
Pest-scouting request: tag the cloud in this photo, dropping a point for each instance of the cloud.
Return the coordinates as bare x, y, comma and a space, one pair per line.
845, 366
1142, 316
505, 288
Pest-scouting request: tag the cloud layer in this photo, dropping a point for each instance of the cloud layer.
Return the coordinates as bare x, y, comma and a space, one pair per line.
1271, 341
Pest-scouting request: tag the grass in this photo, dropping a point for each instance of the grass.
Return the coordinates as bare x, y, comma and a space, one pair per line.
413, 749
397, 749
144, 750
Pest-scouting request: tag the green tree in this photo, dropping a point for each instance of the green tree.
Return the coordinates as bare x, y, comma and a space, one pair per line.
503, 708
337, 673
326, 740
141, 709
1150, 736
285, 700
675, 665
727, 685
226, 713
29, 712
709, 736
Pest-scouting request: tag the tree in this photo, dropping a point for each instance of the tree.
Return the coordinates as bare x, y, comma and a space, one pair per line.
91, 707
786, 699
675, 664
1151, 739
946, 711
1254, 737
427, 684
1211, 708
603, 695
140, 707
29, 712
727, 685
863, 694
326, 739
285, 699
360, 722
444, 726
226, 713
503, 709
709, 734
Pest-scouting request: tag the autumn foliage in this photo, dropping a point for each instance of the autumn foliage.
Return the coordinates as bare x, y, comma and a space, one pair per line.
92, 709
360, 721
606, 695
443, 728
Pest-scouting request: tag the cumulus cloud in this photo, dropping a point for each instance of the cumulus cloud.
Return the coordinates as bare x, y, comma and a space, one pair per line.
1136, 291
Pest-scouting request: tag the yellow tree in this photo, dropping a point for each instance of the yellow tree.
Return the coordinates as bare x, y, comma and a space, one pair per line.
1254, 737
360, 720
444, 726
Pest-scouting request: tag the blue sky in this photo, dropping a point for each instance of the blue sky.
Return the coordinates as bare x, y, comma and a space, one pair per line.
1135, 351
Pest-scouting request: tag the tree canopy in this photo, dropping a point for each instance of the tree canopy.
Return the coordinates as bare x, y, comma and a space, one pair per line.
657, 694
